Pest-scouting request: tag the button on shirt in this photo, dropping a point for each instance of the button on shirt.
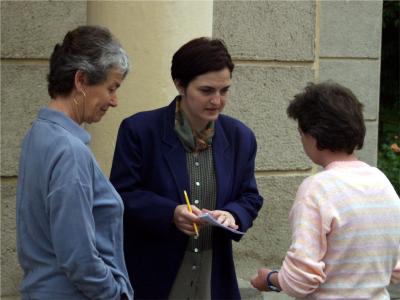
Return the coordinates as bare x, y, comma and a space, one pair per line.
69, 217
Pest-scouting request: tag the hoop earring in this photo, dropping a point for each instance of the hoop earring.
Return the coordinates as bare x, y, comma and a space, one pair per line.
76, 109
75, 101
84, 105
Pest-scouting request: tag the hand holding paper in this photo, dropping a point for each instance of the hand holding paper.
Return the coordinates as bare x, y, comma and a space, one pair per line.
221, 219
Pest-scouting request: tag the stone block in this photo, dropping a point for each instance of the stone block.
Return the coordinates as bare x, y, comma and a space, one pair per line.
361, 76
350, 28
30, 29
259, 97
266, 30
248, 292
23, 92
11, 273
276, 296
266, 243
369, 152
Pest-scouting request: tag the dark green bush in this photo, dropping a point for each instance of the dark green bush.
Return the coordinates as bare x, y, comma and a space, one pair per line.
389, 111
389, 145
389, 162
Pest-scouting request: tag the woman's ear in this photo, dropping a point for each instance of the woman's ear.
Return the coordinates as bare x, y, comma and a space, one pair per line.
80, 80
179, 87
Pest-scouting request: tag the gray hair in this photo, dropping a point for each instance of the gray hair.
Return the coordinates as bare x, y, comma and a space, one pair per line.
91, 49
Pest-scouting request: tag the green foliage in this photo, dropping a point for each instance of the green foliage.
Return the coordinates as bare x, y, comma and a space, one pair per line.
390, 15
389, 147
389, 112
389, 163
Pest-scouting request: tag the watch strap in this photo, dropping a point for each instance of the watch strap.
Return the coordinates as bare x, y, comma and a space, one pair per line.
270, 285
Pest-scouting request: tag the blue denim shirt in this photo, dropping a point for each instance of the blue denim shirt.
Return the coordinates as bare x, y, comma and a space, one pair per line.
69, 217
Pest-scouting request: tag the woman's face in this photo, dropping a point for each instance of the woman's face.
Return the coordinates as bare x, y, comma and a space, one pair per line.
101, 96
205, 97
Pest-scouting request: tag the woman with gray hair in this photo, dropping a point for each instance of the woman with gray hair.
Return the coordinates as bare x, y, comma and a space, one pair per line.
69, 216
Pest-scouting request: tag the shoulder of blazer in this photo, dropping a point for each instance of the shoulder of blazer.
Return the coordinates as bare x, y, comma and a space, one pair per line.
230, 125
149, 119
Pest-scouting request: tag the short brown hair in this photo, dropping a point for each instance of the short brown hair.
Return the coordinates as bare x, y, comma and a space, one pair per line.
200, 56
330, 113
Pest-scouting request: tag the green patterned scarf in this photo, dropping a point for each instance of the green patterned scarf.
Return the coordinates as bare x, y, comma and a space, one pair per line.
192, 140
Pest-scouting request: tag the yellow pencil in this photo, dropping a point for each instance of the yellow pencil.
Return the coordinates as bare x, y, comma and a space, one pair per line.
190, 210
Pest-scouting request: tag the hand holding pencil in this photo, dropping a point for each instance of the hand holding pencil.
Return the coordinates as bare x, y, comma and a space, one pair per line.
186, 217
190, 210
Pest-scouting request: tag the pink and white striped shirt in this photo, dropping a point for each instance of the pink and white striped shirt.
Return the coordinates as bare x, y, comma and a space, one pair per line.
345, 235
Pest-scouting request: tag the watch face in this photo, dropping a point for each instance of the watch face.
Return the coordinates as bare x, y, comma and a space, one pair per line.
273, 288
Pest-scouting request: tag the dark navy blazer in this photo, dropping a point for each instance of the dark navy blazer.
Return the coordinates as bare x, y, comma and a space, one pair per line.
149, 171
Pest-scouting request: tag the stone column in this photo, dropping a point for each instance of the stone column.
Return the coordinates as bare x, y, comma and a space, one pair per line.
350, 51
151, 32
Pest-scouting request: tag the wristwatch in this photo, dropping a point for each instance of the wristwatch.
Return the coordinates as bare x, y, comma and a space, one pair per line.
270, 285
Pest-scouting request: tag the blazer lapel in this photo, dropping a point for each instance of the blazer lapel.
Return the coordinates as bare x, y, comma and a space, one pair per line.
174, 153
223, 160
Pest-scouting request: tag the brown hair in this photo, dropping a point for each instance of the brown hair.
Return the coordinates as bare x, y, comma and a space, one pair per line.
200, 56
331, 114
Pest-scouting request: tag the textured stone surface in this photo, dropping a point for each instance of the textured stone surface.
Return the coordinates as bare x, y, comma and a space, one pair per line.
259, 97
350, 28
271, 30
10, 271
266, 243
30, 29
276, 296
361, 76
23, 92
369, 152
247, 292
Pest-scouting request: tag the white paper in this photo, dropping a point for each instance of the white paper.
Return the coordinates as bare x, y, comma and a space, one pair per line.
212, 221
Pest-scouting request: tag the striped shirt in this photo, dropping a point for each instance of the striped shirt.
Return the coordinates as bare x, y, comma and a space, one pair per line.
345, 235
